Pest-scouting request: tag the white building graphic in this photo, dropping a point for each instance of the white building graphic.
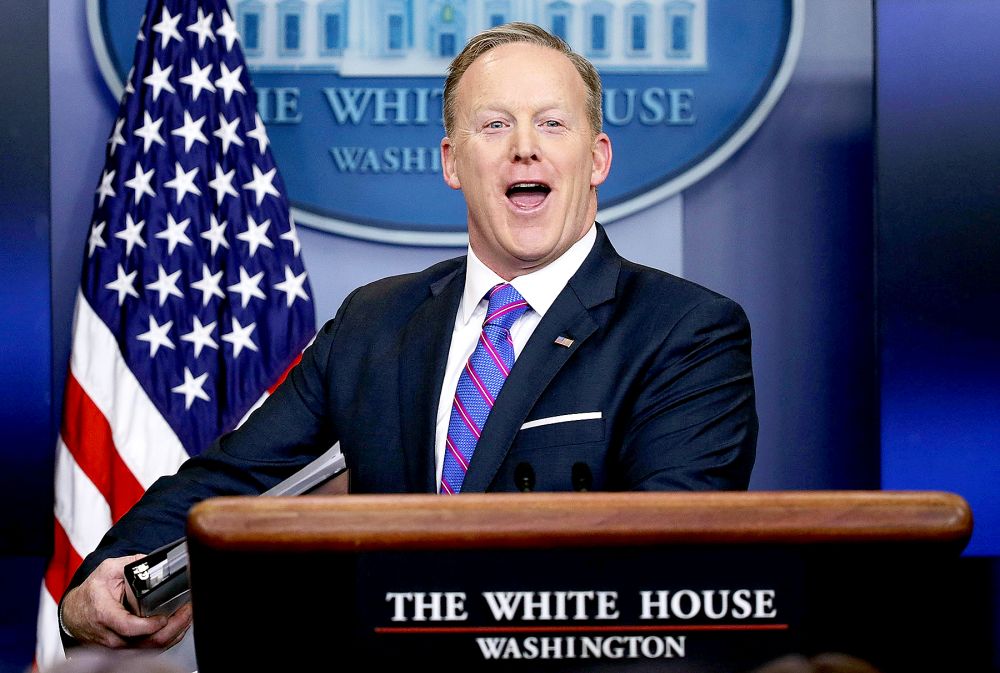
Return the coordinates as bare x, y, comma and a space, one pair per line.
364, 38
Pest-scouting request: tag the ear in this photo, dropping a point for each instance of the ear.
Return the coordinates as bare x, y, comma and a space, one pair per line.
448, 164
601, 152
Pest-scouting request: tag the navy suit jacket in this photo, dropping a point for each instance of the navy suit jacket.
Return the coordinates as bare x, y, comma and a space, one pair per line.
664, 362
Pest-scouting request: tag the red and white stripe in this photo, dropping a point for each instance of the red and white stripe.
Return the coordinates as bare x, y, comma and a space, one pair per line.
112, 446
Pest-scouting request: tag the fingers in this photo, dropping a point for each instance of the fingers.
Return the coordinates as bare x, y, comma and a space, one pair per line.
93, 612
172, 631
128, 626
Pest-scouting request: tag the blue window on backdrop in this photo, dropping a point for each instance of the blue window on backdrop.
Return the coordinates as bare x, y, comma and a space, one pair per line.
395, 32
332, 27
598, 28
598, 21
332, 32
251, 31
293, 38
559, 25
250, 19
679, 34
447, 44
290, 27
497, 12
638, 32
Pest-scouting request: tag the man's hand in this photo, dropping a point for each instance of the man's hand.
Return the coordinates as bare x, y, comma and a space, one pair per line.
93, 612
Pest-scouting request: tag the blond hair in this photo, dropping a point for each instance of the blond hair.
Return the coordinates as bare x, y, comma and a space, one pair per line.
527, 33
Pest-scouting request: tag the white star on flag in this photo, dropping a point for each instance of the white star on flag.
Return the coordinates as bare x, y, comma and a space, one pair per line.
192, 388
175, 233
259, 133
124, 285
201, 336
208, 285
150, 131
240, 337
96, 238
191, 131
227, 133
202, 28
228, 30
105, 189
248, 287
230, 81
216, 234
292, 286
159, 79
222, 183
140, 182
157, 336
167, 28
199, 79
116, 138
129, 89
292, 236
165, 284
261, 184
131, 234
256, 235
183, 182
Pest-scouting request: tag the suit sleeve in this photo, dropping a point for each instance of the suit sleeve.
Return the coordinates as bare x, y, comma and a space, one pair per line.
291, 428
694, 425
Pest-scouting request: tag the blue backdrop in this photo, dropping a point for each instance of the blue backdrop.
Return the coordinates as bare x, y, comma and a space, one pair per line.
938, 252
853, 393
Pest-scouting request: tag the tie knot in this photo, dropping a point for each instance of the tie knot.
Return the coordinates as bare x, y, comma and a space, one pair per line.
506, 306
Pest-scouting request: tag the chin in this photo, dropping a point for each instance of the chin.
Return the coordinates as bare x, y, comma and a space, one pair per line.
532, 241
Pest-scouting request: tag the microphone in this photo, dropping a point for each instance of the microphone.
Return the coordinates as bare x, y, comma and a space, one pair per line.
524, 478
582, 478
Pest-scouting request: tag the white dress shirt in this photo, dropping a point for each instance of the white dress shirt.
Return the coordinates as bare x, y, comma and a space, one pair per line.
539, 288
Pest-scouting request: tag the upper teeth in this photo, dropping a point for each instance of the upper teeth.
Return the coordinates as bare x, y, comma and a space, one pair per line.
527, 184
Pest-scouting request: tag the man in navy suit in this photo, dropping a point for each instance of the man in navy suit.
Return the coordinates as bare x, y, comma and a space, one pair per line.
639, 376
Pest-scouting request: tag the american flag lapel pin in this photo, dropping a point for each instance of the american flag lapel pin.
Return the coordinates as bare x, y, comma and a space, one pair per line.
565, 342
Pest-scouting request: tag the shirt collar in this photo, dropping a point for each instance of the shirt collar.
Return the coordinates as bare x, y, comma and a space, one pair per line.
539, 288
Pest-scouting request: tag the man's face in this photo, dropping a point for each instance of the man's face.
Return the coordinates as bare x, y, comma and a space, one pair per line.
524, 155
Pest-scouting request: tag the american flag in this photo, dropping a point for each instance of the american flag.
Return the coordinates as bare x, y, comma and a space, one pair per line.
194, 300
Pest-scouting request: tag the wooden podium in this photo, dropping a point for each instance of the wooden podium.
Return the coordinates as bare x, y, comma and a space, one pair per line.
580, 582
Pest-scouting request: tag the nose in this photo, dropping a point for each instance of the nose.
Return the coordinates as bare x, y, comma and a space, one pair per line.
524, 144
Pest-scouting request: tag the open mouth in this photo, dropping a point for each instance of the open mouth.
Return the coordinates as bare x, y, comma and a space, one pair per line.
527, 195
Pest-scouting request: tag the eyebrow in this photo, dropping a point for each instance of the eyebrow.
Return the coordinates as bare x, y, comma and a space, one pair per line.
503, 109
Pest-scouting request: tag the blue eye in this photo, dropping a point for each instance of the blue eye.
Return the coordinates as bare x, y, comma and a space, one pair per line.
552, 123
495, 125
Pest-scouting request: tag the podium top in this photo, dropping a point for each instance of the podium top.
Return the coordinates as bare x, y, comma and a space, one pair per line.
519, 520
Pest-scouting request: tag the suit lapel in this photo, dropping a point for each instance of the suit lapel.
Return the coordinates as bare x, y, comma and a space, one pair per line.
570, 316
422, 363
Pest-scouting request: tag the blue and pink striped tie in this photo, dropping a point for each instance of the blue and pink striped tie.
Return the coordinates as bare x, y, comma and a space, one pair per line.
480, 383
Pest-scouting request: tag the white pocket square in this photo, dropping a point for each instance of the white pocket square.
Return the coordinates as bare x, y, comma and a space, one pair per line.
565, 418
